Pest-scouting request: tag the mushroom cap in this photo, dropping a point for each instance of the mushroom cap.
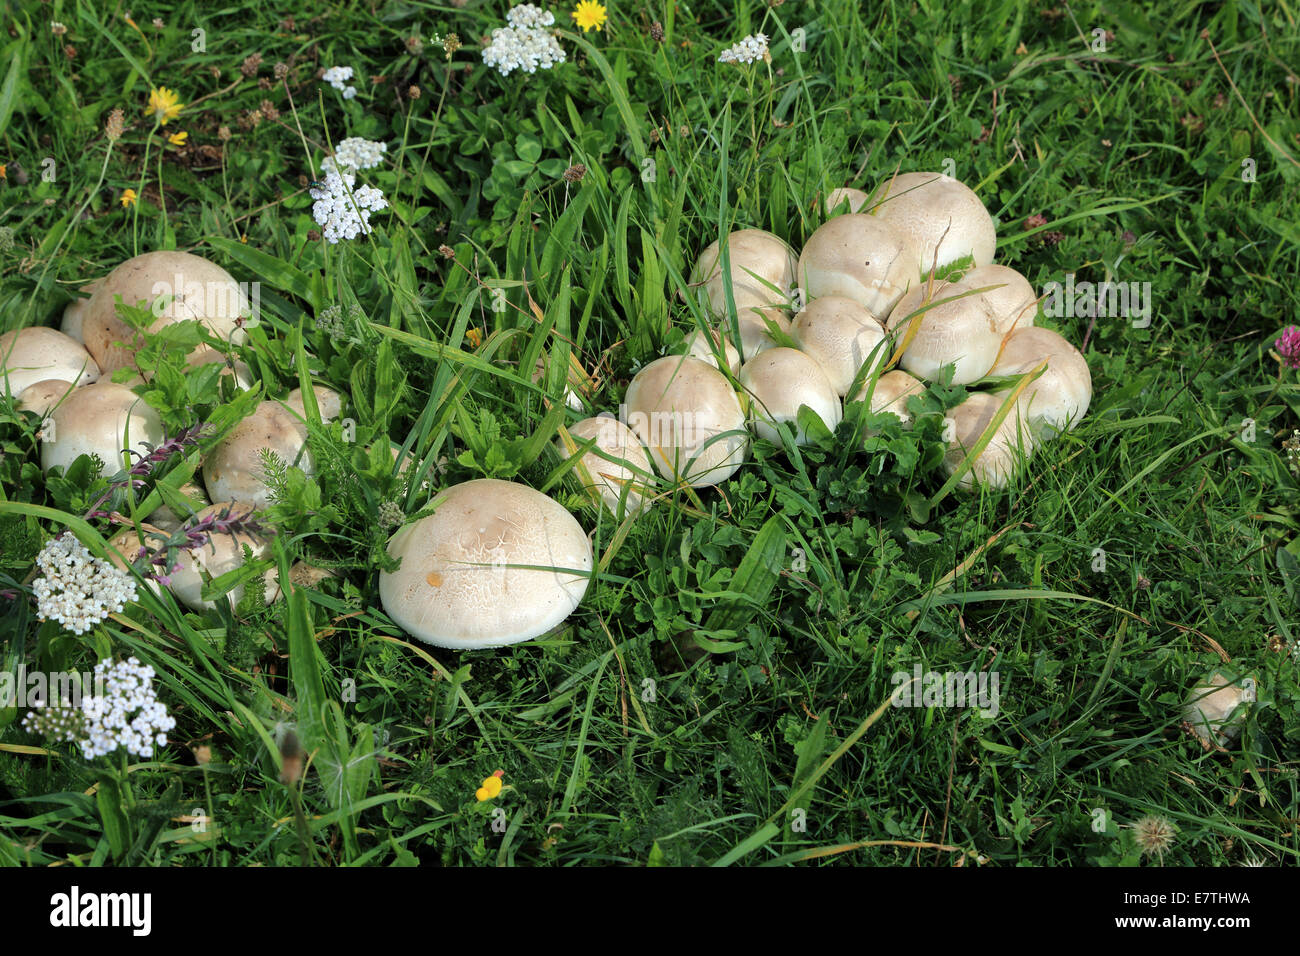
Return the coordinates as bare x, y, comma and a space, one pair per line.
1212, 709
609, 478
458, 584
759, 260
995, 465
690, 420
221, 554
861, 257
1014, 304
125, 547
697, 345
168, 520
576, 385
94, 420
938, 214
301, 575
781, 380
38, 354
200, 289
328, 402
242, 374
856, 199
840, 336
961, 331
233, 470
42, 396
75, 313
891, 393
1059, 398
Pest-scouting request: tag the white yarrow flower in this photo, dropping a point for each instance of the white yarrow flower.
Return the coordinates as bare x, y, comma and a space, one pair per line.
77, 589
527, 15
749, 50
337, 77
341, 209
358, 153
127, 715
524, 44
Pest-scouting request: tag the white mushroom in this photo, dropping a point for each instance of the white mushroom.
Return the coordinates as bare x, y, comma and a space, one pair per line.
760, 262
779, 382
166, 517
957, 328
99, 419
495, 564
328, 402
687, 415
607, 461
852, 200
75, 313
223, 553
1010, 443
861, 257
233, 471
177, 286
42, 396
125, 547
1058, 399
1014, 303
891, 394
698, 345
1216, 707
941, 216
840, 336
38, 354
236, 369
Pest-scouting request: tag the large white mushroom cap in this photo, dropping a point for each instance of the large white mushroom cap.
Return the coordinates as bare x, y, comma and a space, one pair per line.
957, 328
938, 214
42, 396
841, 336
607, 462
234, 470
1058, 399
862, 257
1014, 303
222, 554
760, 262
198, 289
690, 420
1009, 445
779, 382
99, 419
38, 354
891, 394
460, 583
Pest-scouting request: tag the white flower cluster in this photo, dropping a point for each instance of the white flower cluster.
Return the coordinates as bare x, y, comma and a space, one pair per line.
524, 44
359, 153
342, 210
749, 50
77, 589
128, 714
337, 77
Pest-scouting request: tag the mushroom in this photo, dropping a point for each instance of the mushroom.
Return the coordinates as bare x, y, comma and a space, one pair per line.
687, 415
99, 419
125, 547
75, 313
942, 217
1215, 707
861, 257
606, 462
782, 380
1014, 303
166, 518
760, 262
241, 373
578, 384
752, 318
197, 289
328, 402
698, 345
840, 336
38, 354
233, 471
495, 564
958, 328
301, 575
1058, 399
891, 394
223, 553
855, 199
43, 396
1009, 444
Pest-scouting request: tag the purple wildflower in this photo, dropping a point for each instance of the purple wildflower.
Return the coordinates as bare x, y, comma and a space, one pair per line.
158, 454
1288, 346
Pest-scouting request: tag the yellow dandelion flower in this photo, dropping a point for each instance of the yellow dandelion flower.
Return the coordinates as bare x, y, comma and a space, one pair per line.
491, 786
128, 198
589, 14
164, 104
474, 337
178, 139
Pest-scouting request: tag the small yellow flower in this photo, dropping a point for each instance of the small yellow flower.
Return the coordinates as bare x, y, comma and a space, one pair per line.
474, 337
491, 786
128, 198
178, 139
164, 104
4, 170
589, 14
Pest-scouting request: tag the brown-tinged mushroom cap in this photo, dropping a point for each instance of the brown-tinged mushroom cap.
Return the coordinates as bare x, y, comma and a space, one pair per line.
197, 289
75, 313
98, 419
861, 257
841, 336
223, 553
1058, 399
496, 563
958, 328
891, 394
1014, 304
779, 382
38, 354
1010, 444
938, 214
607, 462
166, 517
125, 546
233, 470
690, 420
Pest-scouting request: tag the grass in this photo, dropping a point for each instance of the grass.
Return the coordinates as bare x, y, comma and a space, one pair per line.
722, 693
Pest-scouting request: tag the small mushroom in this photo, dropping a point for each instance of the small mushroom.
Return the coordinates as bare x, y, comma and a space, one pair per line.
99, 419
238, 370
496, 563
1014, 303
1010, 443
779, 382
75, 313
38, 354
687, 415
577, 387
1058, 399
760, 262
233, 471
196, 289
861, 257
328, 402
166, 518
891, 394
957, 328
607, 461
43, 396
852, 200
1216, 707
301, 575
697, 345
125, 547
223, 553
840, 336
941, 216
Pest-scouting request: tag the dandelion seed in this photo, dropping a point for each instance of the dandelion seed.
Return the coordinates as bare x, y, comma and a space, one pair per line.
749, 50
589, 15
127, 198
164, 104
1154, 835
